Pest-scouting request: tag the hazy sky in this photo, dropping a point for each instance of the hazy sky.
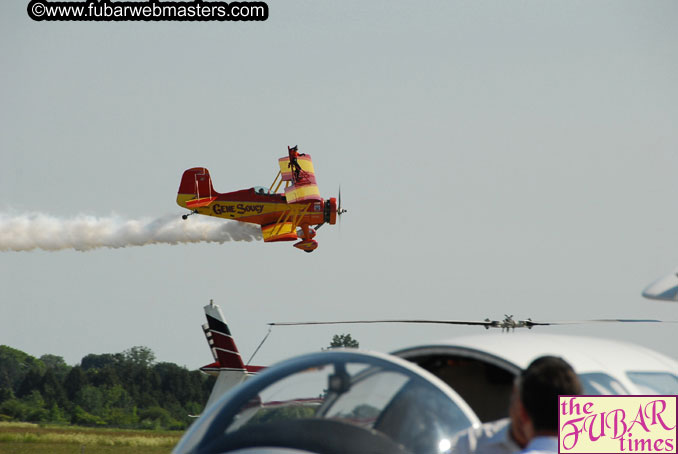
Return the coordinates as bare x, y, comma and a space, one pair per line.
495, 157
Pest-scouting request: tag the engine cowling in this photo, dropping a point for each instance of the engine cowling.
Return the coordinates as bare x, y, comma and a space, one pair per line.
331, 211
311, 233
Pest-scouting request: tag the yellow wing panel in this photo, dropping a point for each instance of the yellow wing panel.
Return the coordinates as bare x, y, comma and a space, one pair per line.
282, 231
286, 170
302, 193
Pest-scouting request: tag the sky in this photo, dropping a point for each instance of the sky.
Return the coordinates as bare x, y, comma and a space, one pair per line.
494, 157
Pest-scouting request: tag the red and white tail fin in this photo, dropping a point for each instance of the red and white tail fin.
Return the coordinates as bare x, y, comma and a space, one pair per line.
228, 365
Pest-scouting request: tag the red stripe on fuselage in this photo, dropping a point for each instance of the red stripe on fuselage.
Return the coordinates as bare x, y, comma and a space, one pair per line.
247, 196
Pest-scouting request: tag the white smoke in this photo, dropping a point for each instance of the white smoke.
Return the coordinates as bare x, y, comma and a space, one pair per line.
25, 232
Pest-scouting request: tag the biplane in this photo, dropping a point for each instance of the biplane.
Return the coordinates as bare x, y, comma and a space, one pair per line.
285, 216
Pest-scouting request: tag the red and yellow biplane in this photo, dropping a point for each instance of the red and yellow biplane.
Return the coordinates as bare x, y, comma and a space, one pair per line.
285, 216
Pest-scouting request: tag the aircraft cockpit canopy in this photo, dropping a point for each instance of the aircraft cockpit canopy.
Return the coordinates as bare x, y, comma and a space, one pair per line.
261, 190
335, 402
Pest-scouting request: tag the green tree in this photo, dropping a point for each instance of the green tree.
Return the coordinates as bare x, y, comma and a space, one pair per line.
6, 394
344, 340
31, 382
91, 400
74, 382
56, 415
107, 376
52, 389
36, 407
5, 380
141, 356
158, 418
56, 364
14, 409
14, 365
82, 418
119, 409
117, 397
93, 361
127, 389
118, 417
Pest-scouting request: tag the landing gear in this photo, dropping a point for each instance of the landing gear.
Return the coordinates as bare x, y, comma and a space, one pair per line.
185, 216
306, 245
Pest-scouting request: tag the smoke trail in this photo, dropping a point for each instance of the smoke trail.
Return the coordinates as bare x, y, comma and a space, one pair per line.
30, 231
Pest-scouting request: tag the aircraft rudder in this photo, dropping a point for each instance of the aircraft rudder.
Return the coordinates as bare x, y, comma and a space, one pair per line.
228, 366
195, 183
220, 339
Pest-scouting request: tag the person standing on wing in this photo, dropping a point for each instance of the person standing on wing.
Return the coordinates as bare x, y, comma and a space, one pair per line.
294, 164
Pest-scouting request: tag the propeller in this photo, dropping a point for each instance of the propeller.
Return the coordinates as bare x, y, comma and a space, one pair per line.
340, 211
507, 323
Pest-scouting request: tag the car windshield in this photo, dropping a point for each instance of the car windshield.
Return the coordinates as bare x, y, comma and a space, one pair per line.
655, 383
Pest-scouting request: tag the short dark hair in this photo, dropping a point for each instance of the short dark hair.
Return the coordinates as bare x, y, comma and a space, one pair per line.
540, 384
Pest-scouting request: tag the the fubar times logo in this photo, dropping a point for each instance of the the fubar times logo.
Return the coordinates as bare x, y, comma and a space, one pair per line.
617, 424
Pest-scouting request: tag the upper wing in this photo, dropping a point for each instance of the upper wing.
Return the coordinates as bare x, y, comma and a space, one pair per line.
304, 187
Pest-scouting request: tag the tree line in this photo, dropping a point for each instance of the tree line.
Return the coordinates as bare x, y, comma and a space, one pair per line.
125, 390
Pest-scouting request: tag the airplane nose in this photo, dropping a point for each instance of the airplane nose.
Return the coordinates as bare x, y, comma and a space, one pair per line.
664, 289
332, 211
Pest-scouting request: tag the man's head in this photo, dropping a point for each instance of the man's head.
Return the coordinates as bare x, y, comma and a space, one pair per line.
534, 406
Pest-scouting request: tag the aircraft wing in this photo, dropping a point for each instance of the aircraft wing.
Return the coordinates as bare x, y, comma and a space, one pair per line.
304, 186
279, 231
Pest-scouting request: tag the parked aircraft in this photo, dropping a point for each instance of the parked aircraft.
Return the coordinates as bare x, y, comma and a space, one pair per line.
479, 369
664, 289
335, 402
482, 368
228, 365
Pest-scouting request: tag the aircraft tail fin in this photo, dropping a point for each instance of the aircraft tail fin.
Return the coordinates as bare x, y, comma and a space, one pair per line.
195, 189
220, 340
228, 365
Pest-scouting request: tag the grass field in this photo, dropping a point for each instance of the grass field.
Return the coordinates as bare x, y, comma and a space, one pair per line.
24, 438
